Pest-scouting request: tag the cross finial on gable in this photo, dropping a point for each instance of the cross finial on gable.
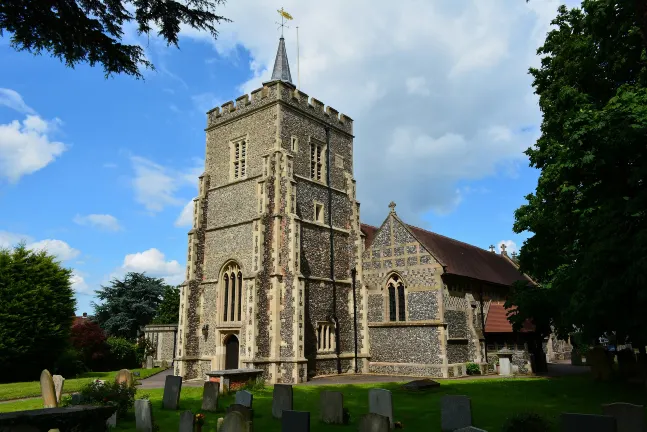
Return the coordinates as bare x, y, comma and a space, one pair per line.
503, 248
392, 207
492, 248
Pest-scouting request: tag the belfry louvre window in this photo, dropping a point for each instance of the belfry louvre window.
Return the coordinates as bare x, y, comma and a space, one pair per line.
231, 292
397, 303
317, 165
239, 159
325, 337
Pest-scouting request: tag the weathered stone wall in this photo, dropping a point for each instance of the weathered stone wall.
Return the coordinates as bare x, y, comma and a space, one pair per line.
456, 324
405, 344
457, 352
163, 337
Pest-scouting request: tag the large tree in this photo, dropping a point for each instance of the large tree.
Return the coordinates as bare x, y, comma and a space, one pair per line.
36, 311
129, 304
169, 310
587, 216
92, 31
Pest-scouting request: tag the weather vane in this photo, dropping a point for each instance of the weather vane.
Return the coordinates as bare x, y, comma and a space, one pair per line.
284, 16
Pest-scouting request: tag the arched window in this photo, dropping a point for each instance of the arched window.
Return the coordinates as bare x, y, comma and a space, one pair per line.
231, 291
397, 302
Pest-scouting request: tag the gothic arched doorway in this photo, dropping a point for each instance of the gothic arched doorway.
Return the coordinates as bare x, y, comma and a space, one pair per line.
231, 352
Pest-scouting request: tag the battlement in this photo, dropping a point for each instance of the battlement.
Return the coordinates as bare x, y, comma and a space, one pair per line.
272, 91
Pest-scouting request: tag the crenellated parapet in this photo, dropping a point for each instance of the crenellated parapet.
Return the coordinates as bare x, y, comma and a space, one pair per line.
271, 93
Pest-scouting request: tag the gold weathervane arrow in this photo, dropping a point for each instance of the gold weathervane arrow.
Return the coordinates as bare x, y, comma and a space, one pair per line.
284, 16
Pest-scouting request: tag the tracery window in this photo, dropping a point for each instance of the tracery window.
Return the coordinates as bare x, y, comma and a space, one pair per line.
397, 302
231, 291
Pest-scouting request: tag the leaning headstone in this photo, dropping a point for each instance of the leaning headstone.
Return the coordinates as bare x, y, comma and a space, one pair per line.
112, 421
172, 389
149, 362
295, 421
247, 413
124, 376
629, 417
587, 422
186, 421
234, 422
381, 402
374, 423
210, 396
281, 399
331, 406
143, 415
244, 397
58, 387
47, 389
598, 360
455, 412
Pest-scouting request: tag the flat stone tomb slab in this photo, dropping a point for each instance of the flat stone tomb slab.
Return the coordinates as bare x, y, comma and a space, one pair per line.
455, 412
423, 384
570, 422
232, 379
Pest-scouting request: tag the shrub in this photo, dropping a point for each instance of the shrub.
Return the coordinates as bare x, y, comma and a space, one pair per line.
90, 341
110, 393
254, 384
473, 369
145, 347
123, 353
526, 422
69, 364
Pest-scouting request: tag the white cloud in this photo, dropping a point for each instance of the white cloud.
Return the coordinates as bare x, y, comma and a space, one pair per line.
417, 85
154, 263
78, 284
186, 217
102, 221
9, 240
509, 245
157, 186
12, 99
58, 248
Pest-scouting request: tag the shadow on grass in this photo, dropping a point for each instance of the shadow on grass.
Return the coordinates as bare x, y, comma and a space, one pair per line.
492, 402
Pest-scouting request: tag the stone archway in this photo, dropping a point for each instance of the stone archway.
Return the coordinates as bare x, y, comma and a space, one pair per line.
231, 352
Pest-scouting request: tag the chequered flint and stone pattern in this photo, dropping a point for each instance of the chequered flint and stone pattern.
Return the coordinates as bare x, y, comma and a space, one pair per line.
456, 324
423, 305
308, 192
405, 344
383, 237
457, 352
401, 235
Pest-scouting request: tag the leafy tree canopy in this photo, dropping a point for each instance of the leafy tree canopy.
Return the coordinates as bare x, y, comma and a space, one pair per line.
169, 309
128, 304
588, 214
36, 311
91, 31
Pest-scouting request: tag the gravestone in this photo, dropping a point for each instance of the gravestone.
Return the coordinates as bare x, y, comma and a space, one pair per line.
281, 399
143, 415
58, 387
423, 384
470, 429
331, 407
172, 389
112, 421
149, 362
210, 396
219, 423
234, 422
47, 390
587, 422
455, 412
380, 402
374, 423
244, 397
295, 421
124, 376
599, 362
77, 399
247, 413
629, 417
186, 421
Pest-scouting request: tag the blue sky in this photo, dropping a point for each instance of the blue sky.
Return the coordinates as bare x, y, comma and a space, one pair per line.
98, 171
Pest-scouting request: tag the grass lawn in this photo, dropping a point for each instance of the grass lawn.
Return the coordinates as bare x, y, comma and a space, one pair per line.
492, 402
30, 389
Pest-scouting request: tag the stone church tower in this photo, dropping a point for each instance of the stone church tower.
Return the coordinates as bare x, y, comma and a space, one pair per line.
275, 237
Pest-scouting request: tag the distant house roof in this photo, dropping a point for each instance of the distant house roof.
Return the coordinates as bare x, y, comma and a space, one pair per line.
497, 320
460, 258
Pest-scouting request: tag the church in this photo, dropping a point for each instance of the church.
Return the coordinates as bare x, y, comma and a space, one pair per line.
283, 277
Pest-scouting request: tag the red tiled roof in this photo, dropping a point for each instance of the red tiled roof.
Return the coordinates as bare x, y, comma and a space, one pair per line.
369, 231
497, 320
463, 259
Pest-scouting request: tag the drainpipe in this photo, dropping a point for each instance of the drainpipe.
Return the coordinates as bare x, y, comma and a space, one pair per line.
174, 341
353, 274
483, 322
332, 248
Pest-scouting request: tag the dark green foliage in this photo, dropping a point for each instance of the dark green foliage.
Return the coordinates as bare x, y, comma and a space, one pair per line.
169, 309
526, 422
473, 369
145, 347
588, 215
69, 364
127, 306
110, 393
36, 311
122, 354
91, 30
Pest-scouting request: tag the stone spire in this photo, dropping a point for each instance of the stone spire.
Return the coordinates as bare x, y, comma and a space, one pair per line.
281, 67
